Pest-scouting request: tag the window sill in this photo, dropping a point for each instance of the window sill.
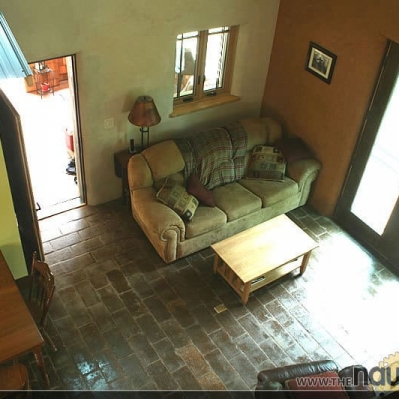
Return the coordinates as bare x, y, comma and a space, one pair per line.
196, 106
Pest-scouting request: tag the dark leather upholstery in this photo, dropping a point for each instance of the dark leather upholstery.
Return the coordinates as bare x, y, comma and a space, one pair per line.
271, 382
359, 377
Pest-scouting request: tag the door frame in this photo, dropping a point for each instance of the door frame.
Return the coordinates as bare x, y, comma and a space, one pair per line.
389, 72
77, 132
11, 134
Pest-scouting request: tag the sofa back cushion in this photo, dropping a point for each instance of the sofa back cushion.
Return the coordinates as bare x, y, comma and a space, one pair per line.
216, 155
261, 131
163, 159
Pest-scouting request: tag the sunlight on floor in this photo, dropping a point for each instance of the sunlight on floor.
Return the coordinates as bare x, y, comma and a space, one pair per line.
44, 122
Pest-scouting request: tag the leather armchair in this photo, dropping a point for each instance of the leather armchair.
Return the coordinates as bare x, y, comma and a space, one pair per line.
271, 383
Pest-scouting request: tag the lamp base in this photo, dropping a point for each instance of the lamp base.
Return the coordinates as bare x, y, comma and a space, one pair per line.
145, 131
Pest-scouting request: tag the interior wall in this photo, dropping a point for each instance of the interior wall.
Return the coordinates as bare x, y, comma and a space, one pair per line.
10, 242
125, 49
328, 116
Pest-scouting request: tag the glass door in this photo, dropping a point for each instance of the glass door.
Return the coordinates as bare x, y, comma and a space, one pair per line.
19, 180
368, 207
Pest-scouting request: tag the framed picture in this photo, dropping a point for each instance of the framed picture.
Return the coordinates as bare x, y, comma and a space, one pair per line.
320, 62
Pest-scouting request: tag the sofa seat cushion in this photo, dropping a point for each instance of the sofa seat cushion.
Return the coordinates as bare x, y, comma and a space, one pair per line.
205, 219
271, 192
236, 201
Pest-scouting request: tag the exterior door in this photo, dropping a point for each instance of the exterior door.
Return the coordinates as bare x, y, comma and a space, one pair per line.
368, 207
21, 191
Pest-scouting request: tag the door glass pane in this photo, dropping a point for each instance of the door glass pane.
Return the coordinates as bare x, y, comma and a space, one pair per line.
379, 187
186, 56
215, 58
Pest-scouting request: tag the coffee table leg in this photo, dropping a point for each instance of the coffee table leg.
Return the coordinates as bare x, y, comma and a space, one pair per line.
245, 293
304, 262
40, 363
216, 263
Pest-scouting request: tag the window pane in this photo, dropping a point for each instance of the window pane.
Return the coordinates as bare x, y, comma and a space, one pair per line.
186, 57
215, 60
217, 30
190, 34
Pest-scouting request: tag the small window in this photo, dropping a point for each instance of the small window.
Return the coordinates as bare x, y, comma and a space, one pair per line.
204, 63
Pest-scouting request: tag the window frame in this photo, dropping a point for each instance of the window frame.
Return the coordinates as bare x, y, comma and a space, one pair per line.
13, 63
199, 94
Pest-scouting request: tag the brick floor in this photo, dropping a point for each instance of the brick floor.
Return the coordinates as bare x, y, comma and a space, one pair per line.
123, 319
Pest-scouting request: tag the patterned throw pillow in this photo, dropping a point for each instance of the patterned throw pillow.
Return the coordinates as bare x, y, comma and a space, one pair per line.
177, 198
266, 163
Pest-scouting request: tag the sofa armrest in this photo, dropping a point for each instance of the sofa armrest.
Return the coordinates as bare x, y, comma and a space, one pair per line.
304, 172
138, 173
301, 170
156, 217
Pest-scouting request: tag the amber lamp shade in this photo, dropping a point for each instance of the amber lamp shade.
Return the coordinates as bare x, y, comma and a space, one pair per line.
144, 113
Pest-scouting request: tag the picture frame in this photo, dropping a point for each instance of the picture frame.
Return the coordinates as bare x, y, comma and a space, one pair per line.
320, 62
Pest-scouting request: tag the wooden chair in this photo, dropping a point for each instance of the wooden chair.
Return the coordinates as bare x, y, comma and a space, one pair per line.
14, 381
41, 290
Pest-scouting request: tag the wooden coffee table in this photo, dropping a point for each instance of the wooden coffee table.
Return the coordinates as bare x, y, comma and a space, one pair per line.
255, 257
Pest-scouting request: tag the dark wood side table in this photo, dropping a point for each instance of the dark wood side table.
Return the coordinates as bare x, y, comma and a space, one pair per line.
19, 333
121, 159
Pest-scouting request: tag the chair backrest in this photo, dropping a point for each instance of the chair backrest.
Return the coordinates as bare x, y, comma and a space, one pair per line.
13, 380
41, 290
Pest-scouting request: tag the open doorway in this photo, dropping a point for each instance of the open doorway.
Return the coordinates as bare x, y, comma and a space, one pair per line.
369, 203
49, 118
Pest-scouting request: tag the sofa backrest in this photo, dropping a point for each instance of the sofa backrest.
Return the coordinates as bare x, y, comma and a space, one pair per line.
164, 158
261, 131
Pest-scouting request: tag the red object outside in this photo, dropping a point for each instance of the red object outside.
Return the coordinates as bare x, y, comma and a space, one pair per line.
45, 86
69, 140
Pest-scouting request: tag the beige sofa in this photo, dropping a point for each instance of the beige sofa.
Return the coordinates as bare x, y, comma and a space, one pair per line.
239, 205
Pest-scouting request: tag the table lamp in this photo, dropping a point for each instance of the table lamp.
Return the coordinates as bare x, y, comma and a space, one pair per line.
144, 113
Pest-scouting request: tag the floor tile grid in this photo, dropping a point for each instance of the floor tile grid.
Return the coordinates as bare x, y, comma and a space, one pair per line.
122, 319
